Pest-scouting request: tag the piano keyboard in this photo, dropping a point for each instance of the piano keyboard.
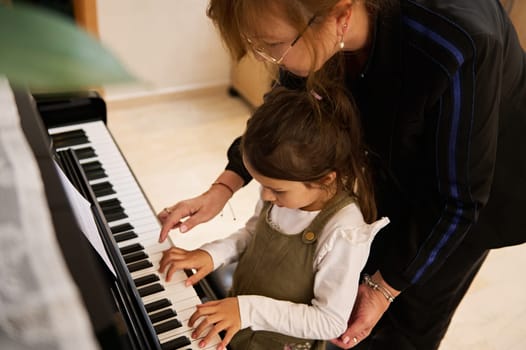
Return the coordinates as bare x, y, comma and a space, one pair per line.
136, 230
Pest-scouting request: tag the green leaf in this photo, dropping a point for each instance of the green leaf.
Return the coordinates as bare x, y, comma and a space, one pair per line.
42, 50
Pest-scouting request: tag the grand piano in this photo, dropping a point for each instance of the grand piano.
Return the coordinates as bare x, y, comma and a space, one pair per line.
131, 307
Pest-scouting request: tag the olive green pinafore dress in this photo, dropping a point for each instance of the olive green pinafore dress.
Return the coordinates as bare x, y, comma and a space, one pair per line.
279, 266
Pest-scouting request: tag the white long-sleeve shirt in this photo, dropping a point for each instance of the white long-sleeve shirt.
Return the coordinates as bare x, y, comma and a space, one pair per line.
341, 252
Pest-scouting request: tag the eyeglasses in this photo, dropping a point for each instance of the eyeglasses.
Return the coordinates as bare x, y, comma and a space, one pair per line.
262, 52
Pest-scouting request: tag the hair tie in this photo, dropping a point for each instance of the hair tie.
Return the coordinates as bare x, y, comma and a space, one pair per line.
316, 96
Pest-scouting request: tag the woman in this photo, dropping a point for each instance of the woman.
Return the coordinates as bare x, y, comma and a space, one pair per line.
441, 88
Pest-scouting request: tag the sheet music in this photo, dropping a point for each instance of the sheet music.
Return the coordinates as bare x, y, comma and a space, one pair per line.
40, 305
82, 211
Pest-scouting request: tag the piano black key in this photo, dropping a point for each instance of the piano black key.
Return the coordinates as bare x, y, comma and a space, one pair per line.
142, 281
115, 215
121, 228
141, 265
120, 237
131, 248
95, 165
110, 203
113, 209
157, 305
68, 134
162, 315
176, 343
133, 257
102, 189
95, 174
149, 290
85, 152
69, 138
167, 326
94, 170
70, 142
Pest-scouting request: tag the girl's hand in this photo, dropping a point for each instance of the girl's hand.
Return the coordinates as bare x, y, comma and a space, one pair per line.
178, 259
217, 316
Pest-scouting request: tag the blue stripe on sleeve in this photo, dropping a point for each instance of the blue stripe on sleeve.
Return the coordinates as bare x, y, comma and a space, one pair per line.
457, 98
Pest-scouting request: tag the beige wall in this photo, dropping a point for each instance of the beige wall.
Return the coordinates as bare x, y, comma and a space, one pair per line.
170, 44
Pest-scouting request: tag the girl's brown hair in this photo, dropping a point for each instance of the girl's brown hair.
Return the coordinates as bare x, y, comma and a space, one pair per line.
294, 136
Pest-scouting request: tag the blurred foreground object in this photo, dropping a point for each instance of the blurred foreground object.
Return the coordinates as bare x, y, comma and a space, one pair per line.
42, 50
41, 308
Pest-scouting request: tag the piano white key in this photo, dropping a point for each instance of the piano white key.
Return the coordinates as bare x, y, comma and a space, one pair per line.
144, 222
179, 299
178, 275
149, 271
177, 293
147, 238
157, 248
194, 345
186, 330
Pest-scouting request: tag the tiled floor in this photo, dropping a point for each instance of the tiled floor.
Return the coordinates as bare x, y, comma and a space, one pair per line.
177, 148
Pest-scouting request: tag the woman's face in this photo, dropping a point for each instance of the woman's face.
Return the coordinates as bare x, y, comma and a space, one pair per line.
275, 37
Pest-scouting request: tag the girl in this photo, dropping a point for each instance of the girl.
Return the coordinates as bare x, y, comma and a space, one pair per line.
441, 87
301, 254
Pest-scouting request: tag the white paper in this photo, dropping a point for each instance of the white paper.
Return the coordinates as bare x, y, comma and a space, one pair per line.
82, 211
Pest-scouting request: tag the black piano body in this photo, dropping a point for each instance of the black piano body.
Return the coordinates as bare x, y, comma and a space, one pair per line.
116, 305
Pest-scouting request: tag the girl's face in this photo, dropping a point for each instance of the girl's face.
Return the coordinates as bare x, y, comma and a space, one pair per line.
285, 45
293, 194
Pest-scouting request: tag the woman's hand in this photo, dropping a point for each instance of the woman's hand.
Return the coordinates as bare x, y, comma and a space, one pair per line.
217, 316
178, 259
196, 211
369, 307
201, 208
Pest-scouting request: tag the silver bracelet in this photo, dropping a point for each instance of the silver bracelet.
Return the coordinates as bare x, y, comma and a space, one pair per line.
372, 284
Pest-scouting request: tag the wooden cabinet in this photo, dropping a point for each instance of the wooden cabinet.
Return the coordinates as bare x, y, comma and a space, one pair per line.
86, 15
251, 79
517, 11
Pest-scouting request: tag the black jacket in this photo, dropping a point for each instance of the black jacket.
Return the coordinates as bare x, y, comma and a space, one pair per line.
443, 102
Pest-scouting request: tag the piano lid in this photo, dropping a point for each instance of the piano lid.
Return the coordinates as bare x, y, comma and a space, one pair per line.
70, 108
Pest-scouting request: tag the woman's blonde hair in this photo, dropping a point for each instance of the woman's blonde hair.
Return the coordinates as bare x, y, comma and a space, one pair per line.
235, 19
